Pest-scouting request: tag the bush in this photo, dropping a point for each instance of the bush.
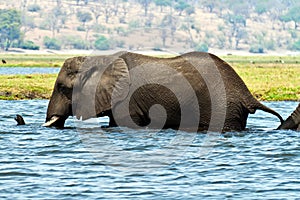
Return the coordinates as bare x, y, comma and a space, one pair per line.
29, 45
52, 43
99, 28
34, 8
202, 47
256, 49
80, 28
134, 24
102, 43
119, 43
73, 42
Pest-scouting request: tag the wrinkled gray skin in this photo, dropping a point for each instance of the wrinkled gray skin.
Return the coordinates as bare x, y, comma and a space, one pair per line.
79, 70
293, 121
20, 120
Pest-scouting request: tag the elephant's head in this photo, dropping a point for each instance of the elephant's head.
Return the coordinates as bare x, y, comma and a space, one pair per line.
293, 121
84, 88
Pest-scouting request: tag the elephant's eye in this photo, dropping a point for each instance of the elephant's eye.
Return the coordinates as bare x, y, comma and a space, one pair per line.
63, 89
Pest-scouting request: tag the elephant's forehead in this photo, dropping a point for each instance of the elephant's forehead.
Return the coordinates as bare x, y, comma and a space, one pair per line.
97, 61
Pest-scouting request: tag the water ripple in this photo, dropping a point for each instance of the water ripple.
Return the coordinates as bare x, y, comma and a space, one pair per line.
120, 163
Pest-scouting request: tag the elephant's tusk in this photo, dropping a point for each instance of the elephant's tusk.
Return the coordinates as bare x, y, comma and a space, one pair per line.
51, 121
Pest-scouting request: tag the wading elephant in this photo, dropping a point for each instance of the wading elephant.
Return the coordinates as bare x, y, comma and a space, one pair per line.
193, 90
293, 121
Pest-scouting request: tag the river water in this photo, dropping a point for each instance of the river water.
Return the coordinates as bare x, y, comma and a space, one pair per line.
84, 161
28, 70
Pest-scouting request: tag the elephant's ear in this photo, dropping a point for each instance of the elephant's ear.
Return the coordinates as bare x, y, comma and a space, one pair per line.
113, 86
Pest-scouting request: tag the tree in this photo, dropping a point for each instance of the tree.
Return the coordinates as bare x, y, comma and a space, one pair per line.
292, 15
145, 4
296, 46
240, 35
209, 4
52, 43
10, 24
261, 7
237, 25
181, 5
170, 22
163, 3
102, 43
96, 10
84, 17
163, 35
276, 12
55, 18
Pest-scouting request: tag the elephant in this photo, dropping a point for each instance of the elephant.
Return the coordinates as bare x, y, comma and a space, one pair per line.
195, 90
293, 121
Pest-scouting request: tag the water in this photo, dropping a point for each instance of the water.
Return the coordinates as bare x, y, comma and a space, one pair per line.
29, 70
119, 163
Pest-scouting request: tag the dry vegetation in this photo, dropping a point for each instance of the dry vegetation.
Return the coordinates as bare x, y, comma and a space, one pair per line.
126, 25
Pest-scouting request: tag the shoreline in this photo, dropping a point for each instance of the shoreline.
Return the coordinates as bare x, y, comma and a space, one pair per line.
268, 77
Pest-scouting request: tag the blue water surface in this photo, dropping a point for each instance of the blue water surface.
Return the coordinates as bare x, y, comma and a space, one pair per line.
84, 161
29, 70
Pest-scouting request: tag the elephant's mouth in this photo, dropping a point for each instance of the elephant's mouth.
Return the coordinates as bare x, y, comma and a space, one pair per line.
55, 121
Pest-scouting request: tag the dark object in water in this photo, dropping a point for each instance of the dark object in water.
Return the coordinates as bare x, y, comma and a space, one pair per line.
3, 61
20, 120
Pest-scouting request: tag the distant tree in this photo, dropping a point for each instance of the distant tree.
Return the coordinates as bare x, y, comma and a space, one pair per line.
102, 43
10, 24
190, 10
145, 4
84, 17
108, 11
292, 15
163, 3
239, 11
237, 25
296, 46
187, 26
170, 22
29, 22
261, 6
54, 19
52, 43
240, 35
163, 35
33, 8
29, 45
209, 4
203, 47
275, 12
181, 5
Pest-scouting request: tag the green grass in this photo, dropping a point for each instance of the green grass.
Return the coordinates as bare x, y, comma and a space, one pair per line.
262, 59
36, 86
272, 83
267, 77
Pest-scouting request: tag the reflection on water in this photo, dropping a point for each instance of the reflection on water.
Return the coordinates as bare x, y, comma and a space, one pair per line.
87, 162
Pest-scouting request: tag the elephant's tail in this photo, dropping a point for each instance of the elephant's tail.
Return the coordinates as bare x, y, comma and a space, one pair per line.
269, 110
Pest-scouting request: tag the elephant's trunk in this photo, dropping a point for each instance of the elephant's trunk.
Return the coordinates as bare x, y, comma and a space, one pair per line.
59, 109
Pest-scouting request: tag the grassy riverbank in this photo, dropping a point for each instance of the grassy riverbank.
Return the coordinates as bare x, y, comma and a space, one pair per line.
269, 78
36, 86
